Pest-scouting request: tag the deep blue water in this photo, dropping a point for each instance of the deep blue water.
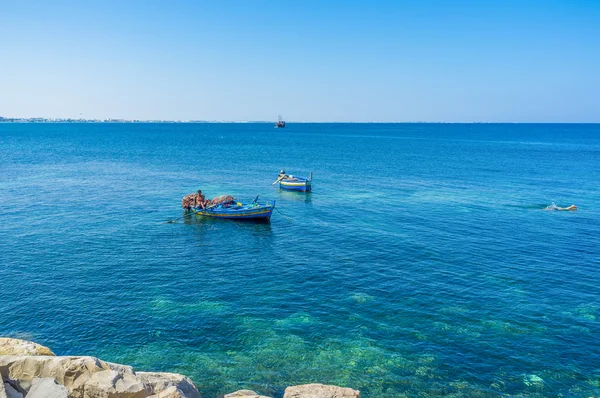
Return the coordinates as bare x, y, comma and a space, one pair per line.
422, 264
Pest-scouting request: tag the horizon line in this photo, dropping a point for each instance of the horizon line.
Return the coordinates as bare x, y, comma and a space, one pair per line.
34, 120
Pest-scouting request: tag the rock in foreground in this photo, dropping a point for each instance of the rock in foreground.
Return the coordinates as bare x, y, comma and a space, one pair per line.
320, 391
156, 383
47, 388
244, 394
22, 347
30, 370
34, 375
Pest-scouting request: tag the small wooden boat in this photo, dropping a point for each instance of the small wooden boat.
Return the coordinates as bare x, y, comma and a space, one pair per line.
238, 211
295, 183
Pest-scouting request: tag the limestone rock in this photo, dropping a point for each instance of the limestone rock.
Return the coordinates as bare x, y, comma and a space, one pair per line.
244, 394
113, 384
171, 392
21, 347
320, 391
34, 371
89, 377
47, 388
155, 383
71, 372
122, 369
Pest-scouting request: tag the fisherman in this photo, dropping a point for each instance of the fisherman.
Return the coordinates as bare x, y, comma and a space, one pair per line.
201, 200
282, 175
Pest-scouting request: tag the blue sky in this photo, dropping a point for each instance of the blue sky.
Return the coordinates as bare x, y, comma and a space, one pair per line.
513, 61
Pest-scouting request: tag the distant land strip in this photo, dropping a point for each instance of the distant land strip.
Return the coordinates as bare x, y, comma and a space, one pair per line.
110, 120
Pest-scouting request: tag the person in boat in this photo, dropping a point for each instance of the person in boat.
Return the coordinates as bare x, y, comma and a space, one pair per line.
282, 175
201, 200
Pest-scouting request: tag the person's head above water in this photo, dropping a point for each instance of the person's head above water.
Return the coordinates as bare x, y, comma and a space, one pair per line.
282, 172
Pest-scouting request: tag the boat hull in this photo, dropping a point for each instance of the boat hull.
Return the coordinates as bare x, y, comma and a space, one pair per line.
300, 185
252, 212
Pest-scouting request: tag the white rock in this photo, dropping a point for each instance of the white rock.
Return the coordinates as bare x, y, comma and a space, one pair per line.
47, 388
113, 384
71, 372
320, 391
171, 392
244, 394
28, 365
10, 346
157, 382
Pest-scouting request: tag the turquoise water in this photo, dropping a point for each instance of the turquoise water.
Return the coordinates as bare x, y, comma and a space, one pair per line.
422, 264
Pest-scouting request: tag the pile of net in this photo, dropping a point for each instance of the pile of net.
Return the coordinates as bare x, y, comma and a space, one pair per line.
189, 201
221, 199
194, 200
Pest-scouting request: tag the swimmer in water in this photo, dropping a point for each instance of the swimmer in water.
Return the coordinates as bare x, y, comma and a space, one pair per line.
555, 207
571, 208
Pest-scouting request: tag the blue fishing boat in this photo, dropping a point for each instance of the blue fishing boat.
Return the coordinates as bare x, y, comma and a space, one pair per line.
235, 210
295, 183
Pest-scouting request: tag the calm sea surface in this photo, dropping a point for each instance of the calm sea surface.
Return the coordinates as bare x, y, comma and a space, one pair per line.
422, 264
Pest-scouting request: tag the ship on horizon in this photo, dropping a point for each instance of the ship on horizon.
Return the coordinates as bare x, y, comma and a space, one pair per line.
280, 123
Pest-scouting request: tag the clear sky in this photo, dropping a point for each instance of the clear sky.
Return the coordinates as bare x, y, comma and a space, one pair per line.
310, 60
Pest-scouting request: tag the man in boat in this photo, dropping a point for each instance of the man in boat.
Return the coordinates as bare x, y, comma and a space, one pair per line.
284, 176
201, 200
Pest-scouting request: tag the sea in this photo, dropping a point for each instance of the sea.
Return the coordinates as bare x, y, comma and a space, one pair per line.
424, 263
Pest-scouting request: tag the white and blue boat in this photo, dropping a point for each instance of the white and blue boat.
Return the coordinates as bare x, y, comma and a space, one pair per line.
235, 210
295, 183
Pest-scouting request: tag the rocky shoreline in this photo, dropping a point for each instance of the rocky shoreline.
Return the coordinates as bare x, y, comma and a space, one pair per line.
31, 370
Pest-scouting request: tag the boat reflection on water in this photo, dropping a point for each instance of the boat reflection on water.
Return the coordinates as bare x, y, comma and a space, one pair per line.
211, 227
295, 196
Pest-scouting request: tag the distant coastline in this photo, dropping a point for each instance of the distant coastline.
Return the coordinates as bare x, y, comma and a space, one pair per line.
110, 120
69, 120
